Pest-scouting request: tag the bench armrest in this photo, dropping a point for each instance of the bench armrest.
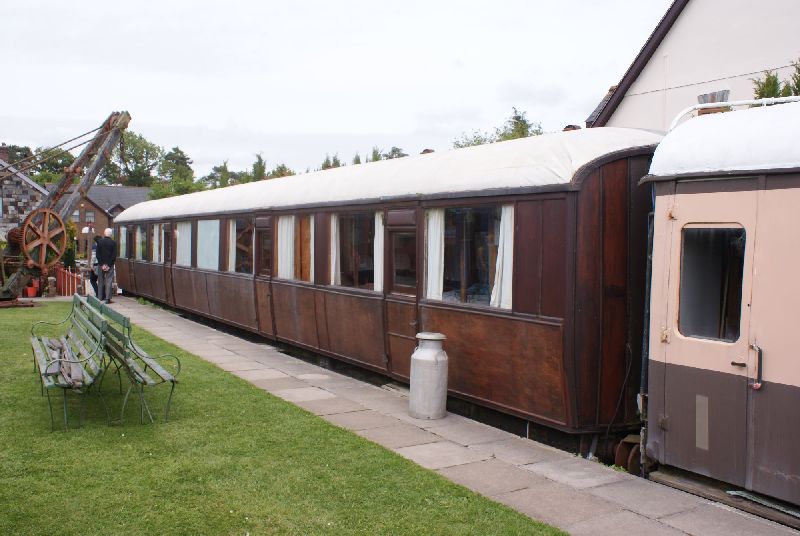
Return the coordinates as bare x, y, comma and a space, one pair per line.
141, 353
43, 322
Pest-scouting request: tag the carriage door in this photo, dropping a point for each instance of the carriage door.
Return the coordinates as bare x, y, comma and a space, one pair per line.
168, 260
401, 284
774, 427
706, 337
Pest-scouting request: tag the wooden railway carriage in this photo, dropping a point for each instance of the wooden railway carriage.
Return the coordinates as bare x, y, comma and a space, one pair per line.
528, 255
724, 373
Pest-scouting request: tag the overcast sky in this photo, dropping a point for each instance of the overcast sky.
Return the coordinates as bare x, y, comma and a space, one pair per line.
295, 80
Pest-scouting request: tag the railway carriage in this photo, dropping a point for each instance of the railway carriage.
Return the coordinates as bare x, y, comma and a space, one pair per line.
724, 374
528, 255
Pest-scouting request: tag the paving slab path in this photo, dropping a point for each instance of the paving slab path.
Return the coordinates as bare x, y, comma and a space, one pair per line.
577, 495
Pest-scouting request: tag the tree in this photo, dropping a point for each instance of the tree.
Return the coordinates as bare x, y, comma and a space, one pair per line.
259, 169
132, 162
176, 176
516, 126
219, 177
771, 86
394, 152
19, 152
52, 163
326, 164
356, 159
281, 170
375, 155
335, 162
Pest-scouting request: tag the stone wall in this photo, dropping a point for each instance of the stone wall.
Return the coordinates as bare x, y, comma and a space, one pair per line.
18, 199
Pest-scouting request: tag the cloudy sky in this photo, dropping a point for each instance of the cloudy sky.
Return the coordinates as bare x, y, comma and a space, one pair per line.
296, 80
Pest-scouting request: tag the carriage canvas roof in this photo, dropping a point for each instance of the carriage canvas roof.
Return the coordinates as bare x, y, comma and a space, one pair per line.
755, 139
529, 163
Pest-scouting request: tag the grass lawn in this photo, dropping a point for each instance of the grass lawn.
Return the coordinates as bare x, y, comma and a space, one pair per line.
232, 460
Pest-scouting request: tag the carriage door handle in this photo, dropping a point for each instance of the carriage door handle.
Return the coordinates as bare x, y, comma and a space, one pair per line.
756, 385
739, 363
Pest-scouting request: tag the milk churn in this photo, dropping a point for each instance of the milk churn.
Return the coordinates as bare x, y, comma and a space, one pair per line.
428, 398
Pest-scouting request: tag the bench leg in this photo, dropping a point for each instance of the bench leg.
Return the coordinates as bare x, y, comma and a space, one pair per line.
66, 421
50, 404
124, 404
144, 406
100, 394
169, 402
80, 411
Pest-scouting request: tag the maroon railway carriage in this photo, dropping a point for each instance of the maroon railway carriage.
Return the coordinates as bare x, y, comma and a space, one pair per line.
529, 255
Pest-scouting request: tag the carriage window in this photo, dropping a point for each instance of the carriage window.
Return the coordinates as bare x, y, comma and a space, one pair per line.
469, 255
123, 242
265, 252
296, 247
141, 242
183, 246
712, 263
404, 261
240, 246
166, 243
208, 244
353, 250
156, 248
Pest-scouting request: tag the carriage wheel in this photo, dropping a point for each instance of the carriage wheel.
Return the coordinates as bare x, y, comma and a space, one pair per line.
44, 238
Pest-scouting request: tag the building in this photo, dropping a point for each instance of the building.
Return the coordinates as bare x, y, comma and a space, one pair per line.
97, 209
19, 194
702, 51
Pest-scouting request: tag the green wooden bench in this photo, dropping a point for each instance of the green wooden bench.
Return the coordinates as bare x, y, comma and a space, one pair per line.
73, 361
141, 369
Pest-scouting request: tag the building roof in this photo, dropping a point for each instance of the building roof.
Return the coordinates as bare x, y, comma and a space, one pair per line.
528, 164
107, 197
22, 176
610, 102
754, 139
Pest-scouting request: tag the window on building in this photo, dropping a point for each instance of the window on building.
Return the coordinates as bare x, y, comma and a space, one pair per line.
469, 255
90, 216
156, 247
240, 246
76, 216
712, 264
141, 242
208, 244
265, 252
296, 248
183, 243
123, 242
353, 250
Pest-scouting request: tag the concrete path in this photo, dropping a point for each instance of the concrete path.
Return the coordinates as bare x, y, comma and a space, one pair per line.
580, 496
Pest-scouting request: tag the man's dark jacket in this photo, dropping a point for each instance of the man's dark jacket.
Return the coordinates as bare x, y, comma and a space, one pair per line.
106, 251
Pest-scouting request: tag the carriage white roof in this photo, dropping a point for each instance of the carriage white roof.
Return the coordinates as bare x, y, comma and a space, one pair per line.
762, 138
540, 161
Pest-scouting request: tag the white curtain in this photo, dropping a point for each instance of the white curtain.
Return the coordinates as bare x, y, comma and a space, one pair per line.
231, 245
336, 254
183, 255
311, 249
434, 253
286, 247
501, 290
156, 243
123, 242
208, 244
377, 254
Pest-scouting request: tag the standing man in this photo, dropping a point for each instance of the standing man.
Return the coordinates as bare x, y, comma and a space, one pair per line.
106, 256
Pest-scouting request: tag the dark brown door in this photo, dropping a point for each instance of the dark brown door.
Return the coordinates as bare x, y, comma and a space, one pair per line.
401, 298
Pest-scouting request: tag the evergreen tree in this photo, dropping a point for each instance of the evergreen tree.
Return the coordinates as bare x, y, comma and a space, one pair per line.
281, 170
326, 164
335, 162
394, 152
356, 159
375, 155
259, 168
516, 126
770, 86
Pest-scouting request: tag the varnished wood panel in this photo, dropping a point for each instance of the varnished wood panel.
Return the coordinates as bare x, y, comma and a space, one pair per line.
615, 268
190, 289
231, 297
401, 325
295, 320
527, 272
263, 297
588, 300
554, 257
322, 321
122, 270
144, 277
355, 327
510, 363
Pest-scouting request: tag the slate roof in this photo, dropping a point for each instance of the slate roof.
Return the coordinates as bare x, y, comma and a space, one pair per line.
107, 197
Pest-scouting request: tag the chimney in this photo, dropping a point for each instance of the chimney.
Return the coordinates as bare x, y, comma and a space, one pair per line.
4, 153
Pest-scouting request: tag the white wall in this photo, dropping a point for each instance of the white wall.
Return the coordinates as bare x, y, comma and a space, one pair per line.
714, 45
